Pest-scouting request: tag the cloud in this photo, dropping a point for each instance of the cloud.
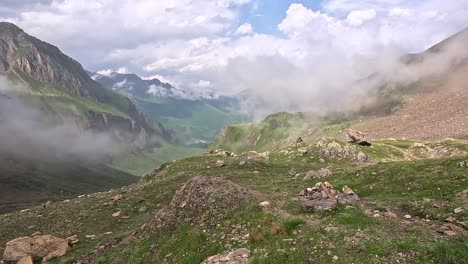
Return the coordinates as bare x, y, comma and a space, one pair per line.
244, 29
358, 17
186, 41
28, 133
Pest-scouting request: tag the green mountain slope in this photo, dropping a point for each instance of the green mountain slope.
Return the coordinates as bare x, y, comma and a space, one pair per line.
192, 120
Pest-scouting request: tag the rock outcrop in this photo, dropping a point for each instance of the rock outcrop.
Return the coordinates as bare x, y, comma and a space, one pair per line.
358, 137
42, 248
201, 199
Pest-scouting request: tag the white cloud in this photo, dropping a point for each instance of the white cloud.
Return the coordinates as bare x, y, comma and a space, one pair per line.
203, 84
191, 40
358, 17
122, 70
244, 29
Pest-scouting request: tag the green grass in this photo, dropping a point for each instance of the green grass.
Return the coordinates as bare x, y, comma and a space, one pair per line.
350, 233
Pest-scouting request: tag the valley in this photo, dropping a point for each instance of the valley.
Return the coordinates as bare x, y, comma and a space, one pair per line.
107, 166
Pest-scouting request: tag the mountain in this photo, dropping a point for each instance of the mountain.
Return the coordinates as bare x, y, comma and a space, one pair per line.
431, 105
54, 78
62, 133
191, 119
132, 84
434, 106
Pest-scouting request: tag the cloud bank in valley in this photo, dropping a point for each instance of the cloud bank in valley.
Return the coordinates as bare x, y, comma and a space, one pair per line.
26, 132
310, 62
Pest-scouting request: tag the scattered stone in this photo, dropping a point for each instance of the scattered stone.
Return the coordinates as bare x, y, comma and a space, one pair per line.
47, 204
220, 163
44, 247
242, 162
142, 209
458, 210
451, 219
407, 216
116, 198
348, 196
335, 258
117, 214
389, 214
450, 229
463, 164
239, 256
323, 196
362, 157
72, 240
358, 137
303, 151
292, 172
321, 160
320, 174
332, 149
35, 234
90, 236
265, 204
220, 152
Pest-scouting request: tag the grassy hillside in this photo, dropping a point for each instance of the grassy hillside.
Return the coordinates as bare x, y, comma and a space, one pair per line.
277, 131
427, 188
25, 183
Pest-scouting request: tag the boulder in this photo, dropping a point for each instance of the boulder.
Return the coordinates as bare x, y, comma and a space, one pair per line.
220, 163
358, 137
40, 247
239, 256
299, 140
463, 164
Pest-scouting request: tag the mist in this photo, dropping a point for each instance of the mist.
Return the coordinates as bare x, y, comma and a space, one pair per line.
337, 83
26, 132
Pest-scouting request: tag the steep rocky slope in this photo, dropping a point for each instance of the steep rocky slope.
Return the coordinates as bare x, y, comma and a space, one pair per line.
435, 108
56, 78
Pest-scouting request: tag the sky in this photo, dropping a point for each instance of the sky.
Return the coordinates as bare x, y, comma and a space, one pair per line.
229, 46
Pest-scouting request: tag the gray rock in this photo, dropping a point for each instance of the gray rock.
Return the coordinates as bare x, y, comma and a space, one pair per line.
239, 256
318, 204
358, 137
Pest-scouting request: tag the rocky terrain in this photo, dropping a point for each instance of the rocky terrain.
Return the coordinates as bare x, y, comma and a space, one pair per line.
405, 203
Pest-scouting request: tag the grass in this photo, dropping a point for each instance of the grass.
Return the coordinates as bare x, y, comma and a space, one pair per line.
351, 234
